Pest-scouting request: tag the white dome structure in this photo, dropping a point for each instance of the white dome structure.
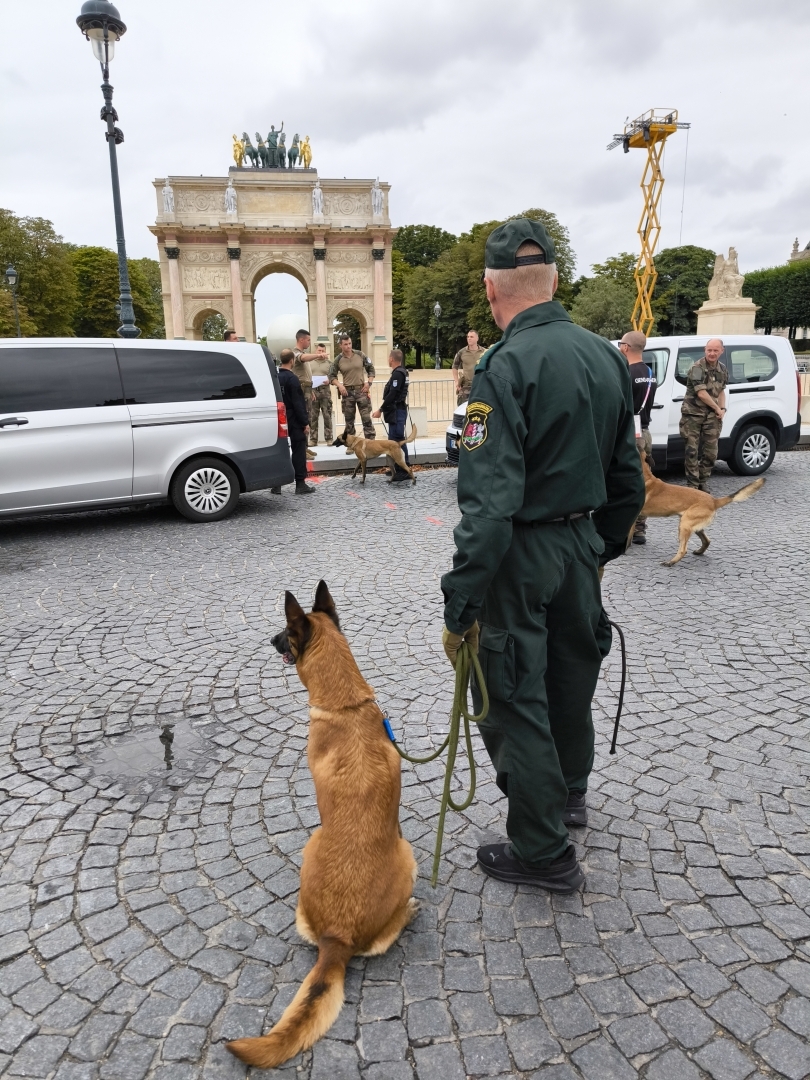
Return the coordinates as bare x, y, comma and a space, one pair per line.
281, 332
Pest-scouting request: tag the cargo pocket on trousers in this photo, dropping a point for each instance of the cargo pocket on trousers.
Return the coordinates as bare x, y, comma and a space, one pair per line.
604, 634
497, 656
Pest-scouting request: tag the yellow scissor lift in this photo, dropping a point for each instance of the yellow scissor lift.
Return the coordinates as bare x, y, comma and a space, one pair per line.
649, 132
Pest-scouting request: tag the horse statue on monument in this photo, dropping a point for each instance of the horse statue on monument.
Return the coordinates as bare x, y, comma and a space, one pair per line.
292, 153
251, 153
281, 150
264, 153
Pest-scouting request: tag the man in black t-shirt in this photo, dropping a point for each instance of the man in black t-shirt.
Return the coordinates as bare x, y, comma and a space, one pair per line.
394, 408
644, 386
297, 422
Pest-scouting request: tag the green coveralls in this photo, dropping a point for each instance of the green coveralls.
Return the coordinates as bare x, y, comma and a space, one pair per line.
549, 432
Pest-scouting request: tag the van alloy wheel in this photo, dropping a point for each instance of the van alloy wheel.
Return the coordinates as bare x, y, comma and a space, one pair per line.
207, 491
756, 450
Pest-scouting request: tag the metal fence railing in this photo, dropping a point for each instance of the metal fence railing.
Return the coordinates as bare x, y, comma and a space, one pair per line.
438, 396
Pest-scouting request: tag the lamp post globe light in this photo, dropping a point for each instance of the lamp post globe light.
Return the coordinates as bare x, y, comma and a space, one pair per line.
101, 24
11, 280
437, 311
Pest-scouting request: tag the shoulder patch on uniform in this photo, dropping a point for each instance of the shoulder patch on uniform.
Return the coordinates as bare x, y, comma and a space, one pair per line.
475, 425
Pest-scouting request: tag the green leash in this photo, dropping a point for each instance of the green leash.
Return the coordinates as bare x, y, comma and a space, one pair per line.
466, 662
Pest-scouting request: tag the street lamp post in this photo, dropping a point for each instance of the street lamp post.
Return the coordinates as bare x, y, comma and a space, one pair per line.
437, 311
101, 24
11, 278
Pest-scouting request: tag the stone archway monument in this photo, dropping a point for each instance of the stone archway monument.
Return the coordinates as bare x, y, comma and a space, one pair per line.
219, 236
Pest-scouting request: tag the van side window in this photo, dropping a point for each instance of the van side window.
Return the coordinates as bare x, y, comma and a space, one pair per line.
745, 363
75, 377
657, 359
154, 376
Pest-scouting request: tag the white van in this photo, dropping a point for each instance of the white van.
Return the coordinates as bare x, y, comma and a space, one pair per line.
92, 423
762, 400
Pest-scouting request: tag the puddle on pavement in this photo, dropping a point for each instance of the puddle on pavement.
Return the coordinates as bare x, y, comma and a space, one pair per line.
149, 750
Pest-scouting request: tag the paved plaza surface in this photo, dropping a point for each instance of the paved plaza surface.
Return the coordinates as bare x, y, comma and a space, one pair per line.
146, 912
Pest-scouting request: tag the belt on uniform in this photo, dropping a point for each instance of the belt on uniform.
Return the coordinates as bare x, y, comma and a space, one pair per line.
564, 520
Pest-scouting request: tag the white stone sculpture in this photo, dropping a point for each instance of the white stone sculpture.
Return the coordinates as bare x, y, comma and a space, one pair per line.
230, 197
317, 200
727, 281
168, 198
376, 199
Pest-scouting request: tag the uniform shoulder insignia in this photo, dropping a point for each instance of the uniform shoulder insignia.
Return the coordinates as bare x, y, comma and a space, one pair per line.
475, 425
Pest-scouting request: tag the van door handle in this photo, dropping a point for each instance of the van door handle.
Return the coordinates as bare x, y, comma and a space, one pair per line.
658, 406
13, 421
677, 399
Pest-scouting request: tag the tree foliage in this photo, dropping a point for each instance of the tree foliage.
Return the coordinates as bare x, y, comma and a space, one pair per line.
782, 294
619, 268
421, 245
149, 269
214, 327
96, 271
46, 286
684, 274
8, 324
604, 306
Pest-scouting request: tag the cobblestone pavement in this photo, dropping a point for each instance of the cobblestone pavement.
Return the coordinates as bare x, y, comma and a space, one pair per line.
147, 914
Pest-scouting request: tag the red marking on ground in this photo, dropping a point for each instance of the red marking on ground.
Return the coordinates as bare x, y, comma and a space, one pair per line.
434, 521
310, 466
389, 506
317, 479
353, 494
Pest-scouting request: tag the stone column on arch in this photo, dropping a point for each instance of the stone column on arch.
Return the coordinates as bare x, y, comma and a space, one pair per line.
234, 255
319, 253
378, 257
175, 288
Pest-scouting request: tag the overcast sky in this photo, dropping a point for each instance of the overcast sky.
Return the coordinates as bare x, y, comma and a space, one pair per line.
471, 110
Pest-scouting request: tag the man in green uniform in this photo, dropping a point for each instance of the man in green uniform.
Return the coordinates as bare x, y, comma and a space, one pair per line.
464, 363
549, 484
702, 412
321, 403
358, 373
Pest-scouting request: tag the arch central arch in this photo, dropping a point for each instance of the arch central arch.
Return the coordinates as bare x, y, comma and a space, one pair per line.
213, 256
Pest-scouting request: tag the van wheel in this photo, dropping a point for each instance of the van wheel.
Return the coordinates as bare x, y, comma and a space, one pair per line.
205, 490
753, 452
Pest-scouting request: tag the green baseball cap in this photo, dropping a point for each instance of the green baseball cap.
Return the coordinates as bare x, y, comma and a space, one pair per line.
503, 242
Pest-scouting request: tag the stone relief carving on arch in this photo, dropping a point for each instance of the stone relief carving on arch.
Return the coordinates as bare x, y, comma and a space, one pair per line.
203, 256
362, 307
352, 257
339, 204
207, 277
345, 280
189, 201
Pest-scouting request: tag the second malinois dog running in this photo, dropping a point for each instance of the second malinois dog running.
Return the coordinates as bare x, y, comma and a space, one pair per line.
358, 872
696, 509
370, 448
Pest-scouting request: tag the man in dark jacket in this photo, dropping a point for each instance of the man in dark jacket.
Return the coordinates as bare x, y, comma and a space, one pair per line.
297, 422
549, 483
394, 408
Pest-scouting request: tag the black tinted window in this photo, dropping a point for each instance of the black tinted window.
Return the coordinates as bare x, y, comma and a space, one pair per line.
35, 379
163, 375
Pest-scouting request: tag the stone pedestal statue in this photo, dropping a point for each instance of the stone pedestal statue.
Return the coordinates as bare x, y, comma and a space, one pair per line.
168, 198
317, 200
230, 199
726, 311
377, 200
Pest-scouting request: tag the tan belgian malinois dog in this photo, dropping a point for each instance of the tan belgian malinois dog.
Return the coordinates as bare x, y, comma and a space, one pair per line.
371, 448
696, 509
358, 871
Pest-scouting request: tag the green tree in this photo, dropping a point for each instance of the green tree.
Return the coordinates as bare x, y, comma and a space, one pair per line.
619, 268
782, 294
684, 274
46, 286
346, 323
214, 327
149, 270
604, 306
96, 271
421, 245
8, 324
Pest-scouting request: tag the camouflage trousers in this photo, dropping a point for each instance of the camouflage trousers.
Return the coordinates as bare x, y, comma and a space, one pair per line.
644, 445
356, 399
321, 405
463, 395
701, 435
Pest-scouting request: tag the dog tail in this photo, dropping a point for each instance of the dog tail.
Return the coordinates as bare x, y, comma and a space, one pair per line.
742, 494
309, 1015
411, 437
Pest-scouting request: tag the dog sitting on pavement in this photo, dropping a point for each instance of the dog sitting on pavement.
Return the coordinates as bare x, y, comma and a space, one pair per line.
358, 872
695, 508
364, 449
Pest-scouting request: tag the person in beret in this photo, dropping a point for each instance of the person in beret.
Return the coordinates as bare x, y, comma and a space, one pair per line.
549, 485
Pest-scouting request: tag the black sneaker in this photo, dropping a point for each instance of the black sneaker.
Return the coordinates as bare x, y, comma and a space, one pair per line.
575, 812
302, 488
639, 538
563, 875
275, 491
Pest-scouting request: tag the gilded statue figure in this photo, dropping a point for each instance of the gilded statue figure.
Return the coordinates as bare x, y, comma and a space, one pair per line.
306, 153
238, 152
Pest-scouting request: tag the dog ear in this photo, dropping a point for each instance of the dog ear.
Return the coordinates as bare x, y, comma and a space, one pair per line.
298, 628
325, 603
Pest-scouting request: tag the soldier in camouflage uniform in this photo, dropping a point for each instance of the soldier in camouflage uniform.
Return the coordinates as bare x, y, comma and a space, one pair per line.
358, 374
321, 403
702, 412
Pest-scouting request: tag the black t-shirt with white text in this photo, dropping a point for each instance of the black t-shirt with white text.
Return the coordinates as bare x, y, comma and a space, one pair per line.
643, 381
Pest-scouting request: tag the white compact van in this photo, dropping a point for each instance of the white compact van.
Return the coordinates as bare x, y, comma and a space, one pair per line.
762, 400
92, 423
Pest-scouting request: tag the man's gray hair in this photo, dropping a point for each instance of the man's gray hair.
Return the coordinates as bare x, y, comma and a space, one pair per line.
534, 283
